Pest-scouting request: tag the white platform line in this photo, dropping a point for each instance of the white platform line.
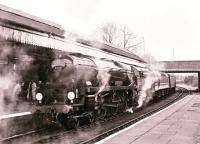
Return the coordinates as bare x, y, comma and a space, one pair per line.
14, 115
121, 131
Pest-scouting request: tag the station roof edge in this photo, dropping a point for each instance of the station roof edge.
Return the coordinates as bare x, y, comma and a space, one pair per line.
29, 16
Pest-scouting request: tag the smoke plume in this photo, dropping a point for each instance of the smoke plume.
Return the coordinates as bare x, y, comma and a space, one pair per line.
103, 75
13, 65
148, 89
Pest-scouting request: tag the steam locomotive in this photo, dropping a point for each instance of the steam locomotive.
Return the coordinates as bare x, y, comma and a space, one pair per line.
72, 87
80, 87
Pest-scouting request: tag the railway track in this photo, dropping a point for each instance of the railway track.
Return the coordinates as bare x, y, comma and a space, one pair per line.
133, 121
59, 134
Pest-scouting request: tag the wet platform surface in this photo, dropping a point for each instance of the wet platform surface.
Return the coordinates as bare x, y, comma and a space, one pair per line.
177, 124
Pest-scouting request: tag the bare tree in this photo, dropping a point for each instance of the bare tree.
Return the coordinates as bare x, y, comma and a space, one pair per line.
127, 37
109, 32
120, 36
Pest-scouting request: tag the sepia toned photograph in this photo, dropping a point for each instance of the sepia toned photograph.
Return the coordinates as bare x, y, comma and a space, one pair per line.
99, 72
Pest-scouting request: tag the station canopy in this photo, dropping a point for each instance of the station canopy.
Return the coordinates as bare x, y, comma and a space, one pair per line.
24, 28
17, 26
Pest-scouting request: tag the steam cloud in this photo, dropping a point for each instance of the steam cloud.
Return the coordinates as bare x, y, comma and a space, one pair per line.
147, 90
103, 76
11, 65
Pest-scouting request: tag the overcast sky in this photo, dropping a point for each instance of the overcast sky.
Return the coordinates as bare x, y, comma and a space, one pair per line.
164, 24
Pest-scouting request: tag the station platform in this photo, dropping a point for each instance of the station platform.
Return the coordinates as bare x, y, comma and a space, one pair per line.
177, 124
13, 115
